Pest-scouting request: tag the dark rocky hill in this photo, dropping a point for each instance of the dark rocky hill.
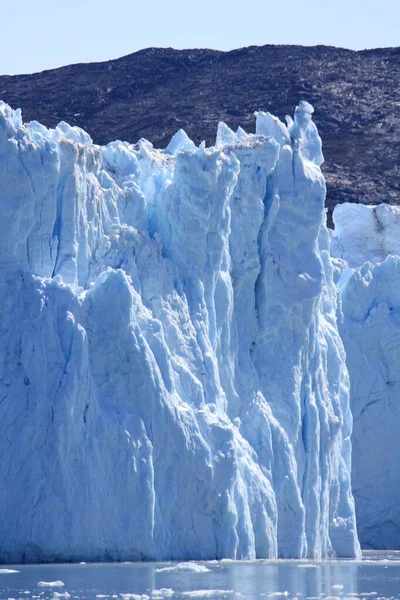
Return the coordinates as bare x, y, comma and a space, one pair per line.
154, 92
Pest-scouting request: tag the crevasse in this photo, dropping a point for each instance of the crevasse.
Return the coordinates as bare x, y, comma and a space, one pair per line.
172, 380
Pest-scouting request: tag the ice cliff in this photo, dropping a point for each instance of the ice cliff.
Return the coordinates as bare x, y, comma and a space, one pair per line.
367, 242
172, 381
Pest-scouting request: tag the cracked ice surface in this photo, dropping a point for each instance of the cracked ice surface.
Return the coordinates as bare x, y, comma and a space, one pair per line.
172, 380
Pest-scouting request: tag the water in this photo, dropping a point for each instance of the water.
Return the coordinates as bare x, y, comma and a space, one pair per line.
376, 577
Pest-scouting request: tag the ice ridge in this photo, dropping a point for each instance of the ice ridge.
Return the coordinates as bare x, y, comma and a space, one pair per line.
172, 381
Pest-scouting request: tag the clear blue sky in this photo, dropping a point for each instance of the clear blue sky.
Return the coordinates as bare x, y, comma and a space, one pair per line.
42, 34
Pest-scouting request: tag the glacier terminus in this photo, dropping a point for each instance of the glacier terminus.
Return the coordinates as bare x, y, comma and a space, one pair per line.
366, 249
173, 382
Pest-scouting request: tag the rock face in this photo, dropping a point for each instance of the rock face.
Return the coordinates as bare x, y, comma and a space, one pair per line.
154, 92
172, 380
368, 239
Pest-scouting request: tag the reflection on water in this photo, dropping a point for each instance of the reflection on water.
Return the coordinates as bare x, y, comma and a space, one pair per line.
377, 576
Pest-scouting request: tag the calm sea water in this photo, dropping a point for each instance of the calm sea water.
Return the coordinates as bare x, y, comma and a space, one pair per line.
376, 577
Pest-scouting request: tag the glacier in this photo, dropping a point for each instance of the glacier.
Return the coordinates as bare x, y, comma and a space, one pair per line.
173, 384
366, 246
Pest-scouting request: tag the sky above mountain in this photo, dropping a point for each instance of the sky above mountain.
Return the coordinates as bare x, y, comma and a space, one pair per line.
46, 34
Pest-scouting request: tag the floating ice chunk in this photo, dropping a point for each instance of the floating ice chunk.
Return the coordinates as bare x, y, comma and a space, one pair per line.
185, 566
8, 571
163, 593
207, 593
51, 584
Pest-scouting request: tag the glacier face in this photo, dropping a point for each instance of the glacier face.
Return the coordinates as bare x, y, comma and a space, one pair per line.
367, 242
173, 384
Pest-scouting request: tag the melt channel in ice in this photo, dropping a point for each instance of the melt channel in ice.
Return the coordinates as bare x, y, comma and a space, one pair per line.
366, 241
172, 380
